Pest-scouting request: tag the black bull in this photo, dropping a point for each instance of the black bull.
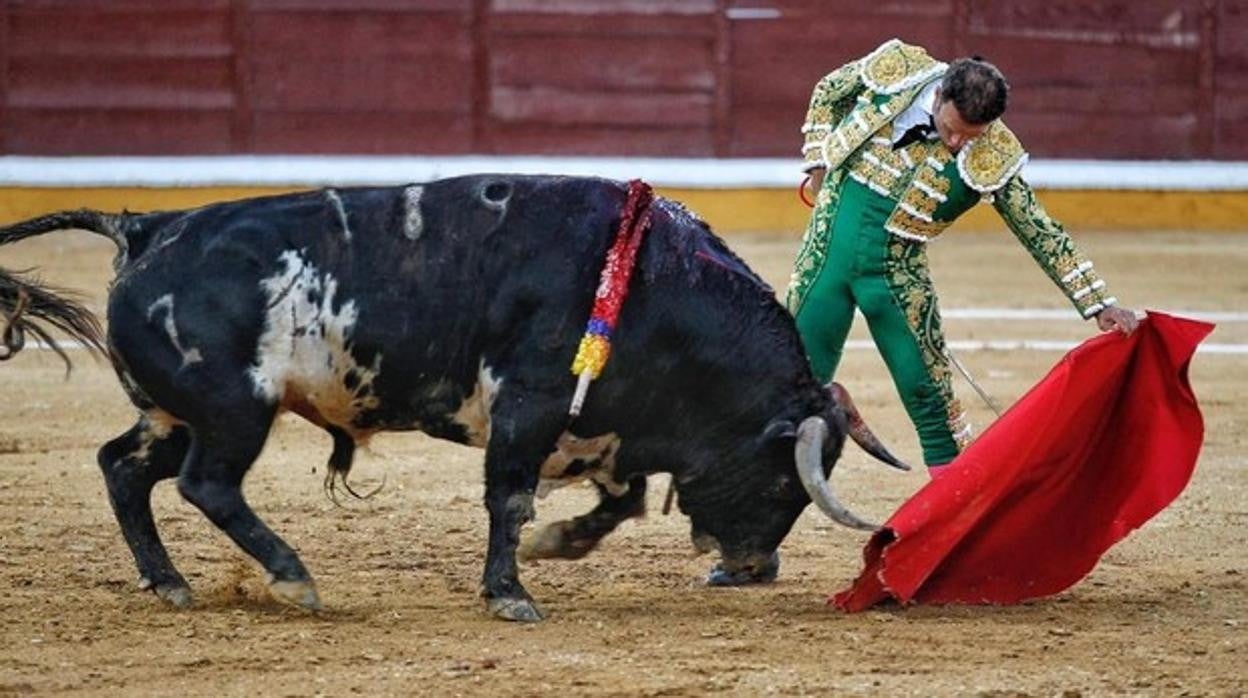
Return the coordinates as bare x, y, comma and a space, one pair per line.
455, 307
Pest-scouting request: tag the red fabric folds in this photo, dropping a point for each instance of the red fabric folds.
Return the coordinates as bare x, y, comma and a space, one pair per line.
1103, 443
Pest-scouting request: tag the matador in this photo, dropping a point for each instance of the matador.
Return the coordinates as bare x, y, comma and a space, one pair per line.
898, 145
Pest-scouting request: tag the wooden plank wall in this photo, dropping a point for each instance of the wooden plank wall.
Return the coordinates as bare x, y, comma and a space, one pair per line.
1123, 78
128, 76
372, 76
1230, 88
597, 77
1092, 78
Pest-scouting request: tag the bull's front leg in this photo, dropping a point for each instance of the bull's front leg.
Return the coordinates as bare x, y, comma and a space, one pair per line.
522, 433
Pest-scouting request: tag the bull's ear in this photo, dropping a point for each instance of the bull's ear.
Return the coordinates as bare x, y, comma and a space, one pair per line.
779, 429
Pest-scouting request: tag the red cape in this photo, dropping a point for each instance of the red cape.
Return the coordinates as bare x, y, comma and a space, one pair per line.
1103, 443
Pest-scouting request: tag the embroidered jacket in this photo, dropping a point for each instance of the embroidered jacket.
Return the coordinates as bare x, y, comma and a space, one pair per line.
849, 131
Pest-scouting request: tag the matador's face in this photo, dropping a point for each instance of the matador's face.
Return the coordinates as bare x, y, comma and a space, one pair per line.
954, 131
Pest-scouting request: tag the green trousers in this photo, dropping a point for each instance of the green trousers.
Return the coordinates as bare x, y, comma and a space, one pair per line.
886, 277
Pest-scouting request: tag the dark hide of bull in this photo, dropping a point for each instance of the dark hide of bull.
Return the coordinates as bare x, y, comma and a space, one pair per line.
27, 306
453, 307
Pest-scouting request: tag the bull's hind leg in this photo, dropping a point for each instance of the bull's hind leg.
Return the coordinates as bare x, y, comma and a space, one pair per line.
574, 539
132, 464
212, 478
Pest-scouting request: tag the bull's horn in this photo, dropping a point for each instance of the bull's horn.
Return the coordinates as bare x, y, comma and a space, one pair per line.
860, 432
809, 455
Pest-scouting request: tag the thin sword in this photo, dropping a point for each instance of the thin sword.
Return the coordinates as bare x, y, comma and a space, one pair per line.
969, 379
671, 495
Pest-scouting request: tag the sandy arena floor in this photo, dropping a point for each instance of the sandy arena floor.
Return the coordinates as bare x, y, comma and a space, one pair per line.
1166, 611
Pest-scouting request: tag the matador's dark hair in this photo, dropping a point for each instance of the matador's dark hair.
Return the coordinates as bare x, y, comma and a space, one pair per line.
977, 88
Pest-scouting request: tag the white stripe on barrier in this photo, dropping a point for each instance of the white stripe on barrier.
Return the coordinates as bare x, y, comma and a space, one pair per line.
1064, 314
1037, 345
697, 173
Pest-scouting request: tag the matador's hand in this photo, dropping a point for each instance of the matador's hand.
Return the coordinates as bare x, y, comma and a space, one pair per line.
1116, 317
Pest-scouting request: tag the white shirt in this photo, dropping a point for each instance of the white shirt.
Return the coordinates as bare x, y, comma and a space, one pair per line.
920, 111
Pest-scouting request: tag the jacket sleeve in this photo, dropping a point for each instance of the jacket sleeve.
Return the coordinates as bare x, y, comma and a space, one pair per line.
831, 100
1051, 247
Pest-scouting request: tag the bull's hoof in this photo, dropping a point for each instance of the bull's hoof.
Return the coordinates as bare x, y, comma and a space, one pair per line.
553, 542
296, 593
762, 573
519, 610
176, 594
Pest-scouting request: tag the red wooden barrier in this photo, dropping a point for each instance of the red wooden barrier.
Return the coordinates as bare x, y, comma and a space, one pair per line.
1092, 78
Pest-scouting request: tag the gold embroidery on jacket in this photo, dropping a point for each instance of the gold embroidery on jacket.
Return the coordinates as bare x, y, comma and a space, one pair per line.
1049, 244
987, 162
914, 216
853, 131
896, 66
832, 99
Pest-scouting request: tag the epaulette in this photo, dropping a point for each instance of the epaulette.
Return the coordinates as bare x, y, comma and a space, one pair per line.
989, 161
896, 66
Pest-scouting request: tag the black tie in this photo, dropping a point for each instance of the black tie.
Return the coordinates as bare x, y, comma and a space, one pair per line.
914, 134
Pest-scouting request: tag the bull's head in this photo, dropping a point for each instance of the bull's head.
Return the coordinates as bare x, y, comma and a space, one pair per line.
771, 495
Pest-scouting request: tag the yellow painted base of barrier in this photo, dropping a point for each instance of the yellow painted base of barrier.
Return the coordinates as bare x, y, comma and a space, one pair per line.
20, 203
776, 211
756, 210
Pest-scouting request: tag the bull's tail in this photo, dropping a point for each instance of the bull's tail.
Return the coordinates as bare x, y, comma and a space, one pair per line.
29, 306
110, 225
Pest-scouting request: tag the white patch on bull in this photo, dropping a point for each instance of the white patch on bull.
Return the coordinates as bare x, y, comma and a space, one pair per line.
165, 303
303, 359
174, 231
596, 452
129, 385
157, 425
474, 412
336, 202
413, 222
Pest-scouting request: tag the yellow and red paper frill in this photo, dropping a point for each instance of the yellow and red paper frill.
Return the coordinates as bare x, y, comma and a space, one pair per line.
595, 346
